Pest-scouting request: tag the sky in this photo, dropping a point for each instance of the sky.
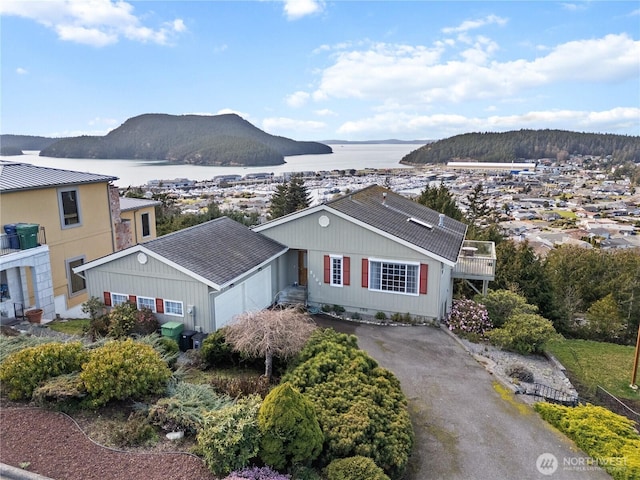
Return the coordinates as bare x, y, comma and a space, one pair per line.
322, 69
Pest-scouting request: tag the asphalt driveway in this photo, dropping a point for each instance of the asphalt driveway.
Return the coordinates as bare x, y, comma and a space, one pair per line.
467, 425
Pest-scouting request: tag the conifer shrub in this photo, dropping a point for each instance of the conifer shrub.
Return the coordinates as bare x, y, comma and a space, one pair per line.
354, 468
230, 437
216, 352
60, 390
360, 406
122, 369
289, 429
611, 440
502, 304
523, 333
24, 370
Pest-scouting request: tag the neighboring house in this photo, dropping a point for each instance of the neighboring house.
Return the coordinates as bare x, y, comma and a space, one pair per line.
201, 276
376, 251
77, 219
141, 214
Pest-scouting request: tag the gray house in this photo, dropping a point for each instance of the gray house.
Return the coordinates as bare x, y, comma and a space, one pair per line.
201, 276
374, 250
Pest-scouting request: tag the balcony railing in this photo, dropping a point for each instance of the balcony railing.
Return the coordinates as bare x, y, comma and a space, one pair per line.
477, 261
16, 242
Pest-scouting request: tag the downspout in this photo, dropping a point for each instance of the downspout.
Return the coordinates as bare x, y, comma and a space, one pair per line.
113, 233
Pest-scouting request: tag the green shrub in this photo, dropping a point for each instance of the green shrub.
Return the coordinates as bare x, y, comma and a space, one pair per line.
11, 345
605, 322
355, 316
354, 468
381, 316
216, 352
146, 322
469, 319
523, 333
166, 347
360, 406
23, 371
610, 439
125, 319
230, 437
135, 432
184, 407
123, 369
289, 429
326, 308
502, 304
396, 317
338, 309
60, 389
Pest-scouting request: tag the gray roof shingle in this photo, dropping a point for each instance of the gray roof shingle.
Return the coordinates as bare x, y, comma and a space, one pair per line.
15, 176
392, 214
219, 250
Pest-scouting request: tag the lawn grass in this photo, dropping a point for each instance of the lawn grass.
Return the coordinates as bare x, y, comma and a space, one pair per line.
74, 326
566, 214
597, 363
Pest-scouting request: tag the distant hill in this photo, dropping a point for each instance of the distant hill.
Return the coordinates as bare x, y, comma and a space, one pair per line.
525, 144
15, 144
191, 139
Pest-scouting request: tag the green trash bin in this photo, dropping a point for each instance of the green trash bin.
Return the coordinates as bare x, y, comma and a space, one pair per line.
172, 330
28, 235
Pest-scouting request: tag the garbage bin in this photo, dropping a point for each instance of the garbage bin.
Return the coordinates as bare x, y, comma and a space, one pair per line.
27, 235
185, 340
172, 330
12, 235
197, 340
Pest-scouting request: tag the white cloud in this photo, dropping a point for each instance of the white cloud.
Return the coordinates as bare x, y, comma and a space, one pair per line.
277, 125
225, 111
325, 112
295, 9
397, 74
445, 125
573, 7
92, 22
21, 71
474, 24
109, 122
297, 99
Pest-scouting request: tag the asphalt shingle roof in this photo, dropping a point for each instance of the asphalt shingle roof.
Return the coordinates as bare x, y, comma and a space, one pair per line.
15, 176
219, 250
391, 214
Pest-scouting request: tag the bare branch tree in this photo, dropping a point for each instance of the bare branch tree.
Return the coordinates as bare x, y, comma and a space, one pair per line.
279, 332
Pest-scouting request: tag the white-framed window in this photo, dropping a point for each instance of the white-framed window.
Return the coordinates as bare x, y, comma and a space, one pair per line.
118, 298
396, 277
69, 206
146, 224
336, 270
146, 302
77, 284
173, 307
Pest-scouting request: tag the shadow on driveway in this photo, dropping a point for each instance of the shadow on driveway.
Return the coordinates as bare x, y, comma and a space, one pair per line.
468, 426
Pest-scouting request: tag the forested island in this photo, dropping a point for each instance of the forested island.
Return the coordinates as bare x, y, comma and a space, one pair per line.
227, 140
526, 145
16, 144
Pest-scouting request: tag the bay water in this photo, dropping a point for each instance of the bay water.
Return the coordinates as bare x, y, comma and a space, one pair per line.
139, 172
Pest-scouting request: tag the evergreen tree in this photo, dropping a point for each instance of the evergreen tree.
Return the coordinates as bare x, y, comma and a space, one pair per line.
476, 203
289, 197
441, 200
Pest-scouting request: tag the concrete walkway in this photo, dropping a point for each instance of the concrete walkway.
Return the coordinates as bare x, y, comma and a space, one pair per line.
468, 425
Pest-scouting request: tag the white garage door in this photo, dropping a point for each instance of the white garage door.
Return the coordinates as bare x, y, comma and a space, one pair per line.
252, 294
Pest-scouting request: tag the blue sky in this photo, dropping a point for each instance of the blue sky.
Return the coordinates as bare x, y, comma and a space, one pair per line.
319, 70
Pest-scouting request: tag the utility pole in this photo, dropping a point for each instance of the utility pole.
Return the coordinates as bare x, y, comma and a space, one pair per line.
635, 362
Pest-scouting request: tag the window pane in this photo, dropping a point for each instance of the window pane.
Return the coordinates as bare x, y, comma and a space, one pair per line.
76, 282
336, 271
173, 308
117, 299
70, 207
146, 228
393, 277
144, 302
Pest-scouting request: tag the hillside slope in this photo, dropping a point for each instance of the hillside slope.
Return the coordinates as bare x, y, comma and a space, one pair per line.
525, 145
192, 139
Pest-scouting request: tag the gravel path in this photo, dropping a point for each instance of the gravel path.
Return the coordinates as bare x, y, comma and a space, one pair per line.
52, 445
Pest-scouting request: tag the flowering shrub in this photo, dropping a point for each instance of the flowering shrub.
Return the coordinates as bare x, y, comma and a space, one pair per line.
256, 473
469, 319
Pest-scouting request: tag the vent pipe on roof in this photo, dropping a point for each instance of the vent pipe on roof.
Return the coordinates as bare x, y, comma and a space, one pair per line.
441, 220
384, 198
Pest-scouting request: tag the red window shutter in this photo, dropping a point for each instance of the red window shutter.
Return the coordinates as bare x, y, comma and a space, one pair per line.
424, 270
327, 269
159, 305
346, 271
107, 298
365, 272
133, 299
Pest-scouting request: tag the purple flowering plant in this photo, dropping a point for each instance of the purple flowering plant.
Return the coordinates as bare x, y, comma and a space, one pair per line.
257, 473
469, 319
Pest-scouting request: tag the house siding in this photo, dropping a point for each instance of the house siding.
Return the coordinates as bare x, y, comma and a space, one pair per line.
342, 237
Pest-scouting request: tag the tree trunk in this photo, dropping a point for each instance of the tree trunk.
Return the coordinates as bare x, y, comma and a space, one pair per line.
268, 366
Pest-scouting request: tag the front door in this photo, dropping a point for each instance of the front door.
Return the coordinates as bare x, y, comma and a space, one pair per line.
302, 268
